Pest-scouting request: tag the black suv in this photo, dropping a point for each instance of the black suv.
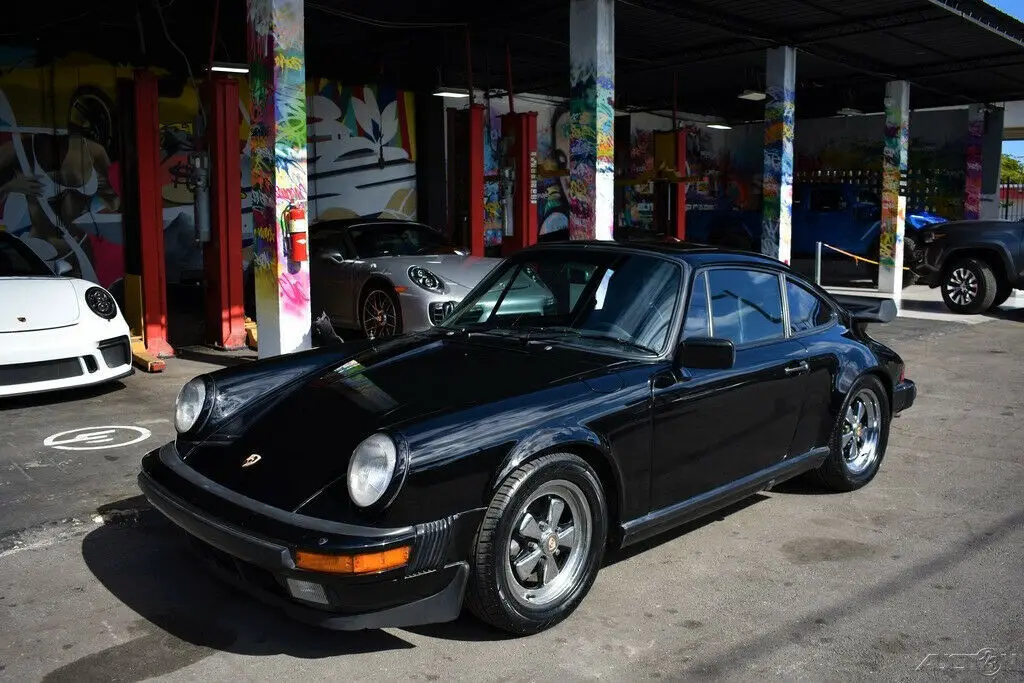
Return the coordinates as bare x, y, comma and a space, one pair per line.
977, 263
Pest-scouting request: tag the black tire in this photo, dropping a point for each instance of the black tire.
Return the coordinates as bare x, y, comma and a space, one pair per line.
489, 595
1002, 294
375, 291
836, 474
968, 286
911, 258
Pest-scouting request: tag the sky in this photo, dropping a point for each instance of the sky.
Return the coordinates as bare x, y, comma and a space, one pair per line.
1014, 8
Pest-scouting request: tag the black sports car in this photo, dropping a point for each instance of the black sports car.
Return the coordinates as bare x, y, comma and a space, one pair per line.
493, 459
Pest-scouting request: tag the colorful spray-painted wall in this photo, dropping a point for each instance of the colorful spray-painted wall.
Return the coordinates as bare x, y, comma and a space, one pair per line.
60, 160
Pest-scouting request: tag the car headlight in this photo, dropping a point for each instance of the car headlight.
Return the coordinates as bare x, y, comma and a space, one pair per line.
371, 469
101, 302
425, 279
189, 406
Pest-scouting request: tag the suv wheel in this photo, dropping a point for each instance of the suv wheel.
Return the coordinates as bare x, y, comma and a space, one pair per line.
969, 286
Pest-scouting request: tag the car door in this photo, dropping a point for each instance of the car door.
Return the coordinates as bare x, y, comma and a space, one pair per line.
714, 427
332, 272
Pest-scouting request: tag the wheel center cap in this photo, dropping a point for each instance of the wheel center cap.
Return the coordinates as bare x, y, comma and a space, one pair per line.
551, 543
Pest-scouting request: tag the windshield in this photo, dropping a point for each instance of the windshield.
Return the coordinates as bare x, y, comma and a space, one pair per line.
398, 239
588, 297
17, 259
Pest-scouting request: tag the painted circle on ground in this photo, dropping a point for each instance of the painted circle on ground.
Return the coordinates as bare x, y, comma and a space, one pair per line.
97, 438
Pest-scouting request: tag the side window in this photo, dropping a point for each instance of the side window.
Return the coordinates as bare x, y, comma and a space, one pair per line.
806, 309
746, 305
696, 324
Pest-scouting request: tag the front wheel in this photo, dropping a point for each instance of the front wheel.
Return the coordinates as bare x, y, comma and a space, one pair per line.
540, 545
380, 314
860, 437
969, 286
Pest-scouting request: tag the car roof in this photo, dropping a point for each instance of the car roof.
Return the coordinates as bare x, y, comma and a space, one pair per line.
693, 254
345, 223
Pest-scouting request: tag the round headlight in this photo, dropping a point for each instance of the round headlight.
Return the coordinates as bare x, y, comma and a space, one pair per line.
425, 279
101, 303
189, 405
371, 469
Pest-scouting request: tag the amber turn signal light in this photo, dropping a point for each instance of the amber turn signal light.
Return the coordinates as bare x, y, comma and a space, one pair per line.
363, 563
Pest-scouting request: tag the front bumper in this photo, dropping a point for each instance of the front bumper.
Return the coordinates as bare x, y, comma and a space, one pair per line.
253, 545
903, 396
48, 360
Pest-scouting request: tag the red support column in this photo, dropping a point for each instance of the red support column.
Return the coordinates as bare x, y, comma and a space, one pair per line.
679, 189
151, 219
222, 255
476, 114
521, 131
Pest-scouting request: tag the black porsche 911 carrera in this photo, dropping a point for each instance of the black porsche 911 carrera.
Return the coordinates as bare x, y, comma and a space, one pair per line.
492, 460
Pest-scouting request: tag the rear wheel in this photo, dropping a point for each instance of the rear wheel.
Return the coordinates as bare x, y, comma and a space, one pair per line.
540, 545
969, 286
860, 437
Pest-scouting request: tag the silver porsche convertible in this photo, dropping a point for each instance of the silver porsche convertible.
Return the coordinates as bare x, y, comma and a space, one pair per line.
385, 277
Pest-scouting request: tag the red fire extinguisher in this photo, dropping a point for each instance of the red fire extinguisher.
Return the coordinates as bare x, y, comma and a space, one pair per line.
296, 227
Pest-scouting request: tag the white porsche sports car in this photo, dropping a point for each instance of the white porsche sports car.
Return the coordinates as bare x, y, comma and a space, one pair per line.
55, 332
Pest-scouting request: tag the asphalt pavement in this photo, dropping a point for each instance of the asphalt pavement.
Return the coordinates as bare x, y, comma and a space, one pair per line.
899, 581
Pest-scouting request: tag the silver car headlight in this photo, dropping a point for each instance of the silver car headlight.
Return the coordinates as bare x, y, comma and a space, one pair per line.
189, 406
426, 279
371, 469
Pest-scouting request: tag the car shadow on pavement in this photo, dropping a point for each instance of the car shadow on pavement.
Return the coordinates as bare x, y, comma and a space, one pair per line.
188, 614
58, 397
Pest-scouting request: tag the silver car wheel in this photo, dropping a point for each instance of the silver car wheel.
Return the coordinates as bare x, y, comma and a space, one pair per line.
862, 429
380, 318
548, 545
962, 286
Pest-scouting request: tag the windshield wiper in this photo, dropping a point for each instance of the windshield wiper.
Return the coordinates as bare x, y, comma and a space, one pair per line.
555, 332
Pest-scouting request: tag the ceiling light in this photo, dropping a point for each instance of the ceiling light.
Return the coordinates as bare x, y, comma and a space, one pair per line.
719, 126
227, 68
753, 95
847, 111
451, 92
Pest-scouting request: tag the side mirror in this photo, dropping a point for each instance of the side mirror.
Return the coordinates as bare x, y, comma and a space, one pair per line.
705, 353
332, 255
61, 267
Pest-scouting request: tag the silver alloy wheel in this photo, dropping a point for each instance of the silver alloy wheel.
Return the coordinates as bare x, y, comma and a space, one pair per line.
548, 545
962, 286
862, 429
380, 319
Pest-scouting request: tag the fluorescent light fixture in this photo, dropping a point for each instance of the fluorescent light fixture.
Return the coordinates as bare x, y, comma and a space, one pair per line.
227, 68
719, 126
753, 95
451, 92
847, 111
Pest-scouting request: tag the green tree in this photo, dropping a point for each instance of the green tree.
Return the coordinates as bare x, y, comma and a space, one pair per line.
1011, 169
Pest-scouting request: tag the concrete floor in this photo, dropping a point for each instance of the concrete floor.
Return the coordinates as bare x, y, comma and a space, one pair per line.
926, 560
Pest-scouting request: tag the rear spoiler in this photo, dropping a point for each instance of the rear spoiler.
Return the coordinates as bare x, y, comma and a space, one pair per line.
867, 309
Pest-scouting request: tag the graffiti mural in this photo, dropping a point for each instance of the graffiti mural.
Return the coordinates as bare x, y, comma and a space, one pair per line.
777, 180
278, 138
362, 151
894, 168
592, 120
972, 182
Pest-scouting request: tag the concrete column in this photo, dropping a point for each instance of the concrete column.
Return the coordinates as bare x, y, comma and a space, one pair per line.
592, 119
777, 183
277, 82
894, 189
973, 169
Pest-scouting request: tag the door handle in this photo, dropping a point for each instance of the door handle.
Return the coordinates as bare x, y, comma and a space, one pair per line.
798, 369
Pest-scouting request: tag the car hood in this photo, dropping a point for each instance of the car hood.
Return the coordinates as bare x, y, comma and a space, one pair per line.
305, 439
464, 271
30, 304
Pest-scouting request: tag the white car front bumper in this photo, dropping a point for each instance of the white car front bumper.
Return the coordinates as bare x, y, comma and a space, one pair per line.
74, 356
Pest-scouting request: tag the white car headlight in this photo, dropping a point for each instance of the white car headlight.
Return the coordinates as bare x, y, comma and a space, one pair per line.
189, 405
371, 469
